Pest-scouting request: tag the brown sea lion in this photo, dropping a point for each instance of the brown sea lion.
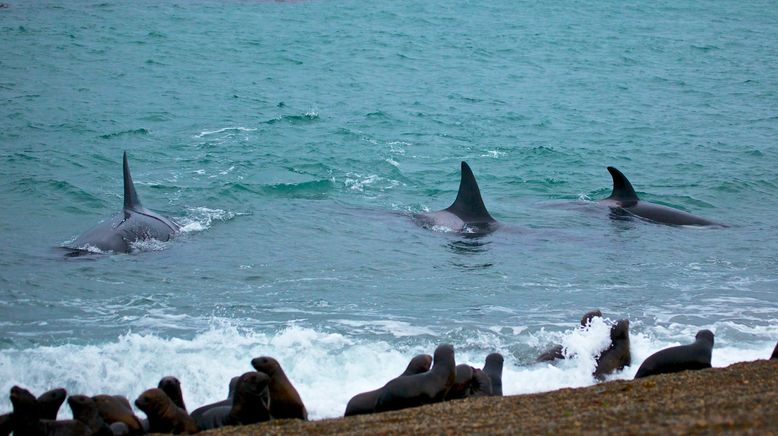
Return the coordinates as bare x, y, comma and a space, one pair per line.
285, 402
419, 389
462, 383
364, 403
250, 405
85, 410
116, 409
681, 358
556, 352
172, 387
197, 413
617, 355
493, 368
775, 352
164, 416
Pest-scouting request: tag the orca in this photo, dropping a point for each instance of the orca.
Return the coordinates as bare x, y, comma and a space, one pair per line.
467, 214
623, 201
118, 233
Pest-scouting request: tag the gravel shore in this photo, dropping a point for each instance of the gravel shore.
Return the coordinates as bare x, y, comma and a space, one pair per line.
742, 398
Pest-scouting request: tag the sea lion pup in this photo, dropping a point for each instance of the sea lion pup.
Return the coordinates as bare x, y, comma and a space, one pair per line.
172, 387
462, 383
117, 410
251, 404
419, 389
556, 351
364, 403
493, 368
28, 422
85, 410
197, 413
775, 352
164, 416
285, 402
681, 358
617, 355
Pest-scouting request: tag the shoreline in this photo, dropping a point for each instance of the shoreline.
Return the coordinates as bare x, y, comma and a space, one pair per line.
741, 398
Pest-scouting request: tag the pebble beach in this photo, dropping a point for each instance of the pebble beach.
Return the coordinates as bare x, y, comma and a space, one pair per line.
741, 398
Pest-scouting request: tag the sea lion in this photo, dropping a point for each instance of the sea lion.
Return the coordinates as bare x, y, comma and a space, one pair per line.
493, 368
624, 202
27, 418
285, 402
364, 403
116, 409
164, 416
556, 352
6, 424
617, 355
681, 358
197, 413
85, 410
250, 405
481, 384
462, 383
775, 352
172, 387
467, 214
416, 390
49, 403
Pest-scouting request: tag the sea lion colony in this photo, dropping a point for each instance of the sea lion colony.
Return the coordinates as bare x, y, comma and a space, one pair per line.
267, 393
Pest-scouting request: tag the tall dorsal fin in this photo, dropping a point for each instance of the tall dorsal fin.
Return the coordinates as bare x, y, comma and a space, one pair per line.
469, 205
131, 200
622, 189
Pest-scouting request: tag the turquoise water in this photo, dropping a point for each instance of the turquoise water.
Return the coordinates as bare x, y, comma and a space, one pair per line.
292, 141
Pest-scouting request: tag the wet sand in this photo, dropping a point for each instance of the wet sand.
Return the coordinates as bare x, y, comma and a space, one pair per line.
742, 398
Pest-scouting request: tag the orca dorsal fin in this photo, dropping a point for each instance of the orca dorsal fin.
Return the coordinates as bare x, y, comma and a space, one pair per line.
469, 205
131, 200
622, 189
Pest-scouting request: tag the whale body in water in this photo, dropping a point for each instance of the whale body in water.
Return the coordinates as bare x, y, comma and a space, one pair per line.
134, 223
467, 214
625, 202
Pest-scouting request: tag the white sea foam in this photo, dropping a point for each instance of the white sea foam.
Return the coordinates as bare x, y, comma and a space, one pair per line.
327, 368
201, 218
205, 133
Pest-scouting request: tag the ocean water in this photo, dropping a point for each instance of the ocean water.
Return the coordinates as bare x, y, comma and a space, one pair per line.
293, 140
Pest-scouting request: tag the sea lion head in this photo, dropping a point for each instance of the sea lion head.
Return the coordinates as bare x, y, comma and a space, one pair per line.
587, 318
153, 401
83, 407
50, 401
620, 330
255, 384
705, 335
265, 364
23, 401
172, 387
419, 364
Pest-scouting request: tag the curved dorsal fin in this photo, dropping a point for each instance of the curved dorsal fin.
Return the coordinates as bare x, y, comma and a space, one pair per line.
469, 206
622, 189
131, 200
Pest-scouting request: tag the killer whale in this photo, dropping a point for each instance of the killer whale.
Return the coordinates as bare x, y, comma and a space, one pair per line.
467, 214
134, 223
624, 201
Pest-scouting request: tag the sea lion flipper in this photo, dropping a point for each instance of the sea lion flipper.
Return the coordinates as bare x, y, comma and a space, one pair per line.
131, 200
622, 188
469, 205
